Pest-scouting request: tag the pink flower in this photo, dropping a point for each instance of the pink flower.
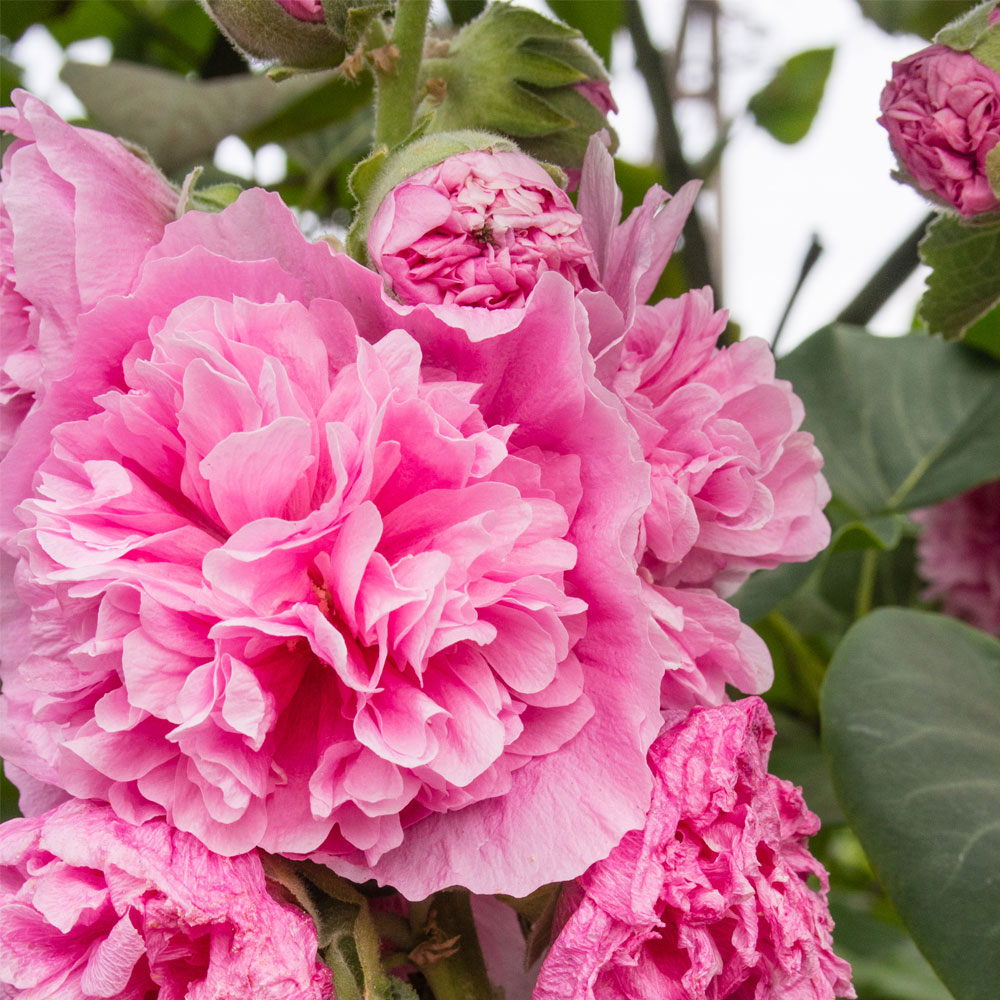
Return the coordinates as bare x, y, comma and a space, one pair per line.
942, 111
704, 646
93, 907
959, 555
478, 229
736, 485
307, 570
77, 214
304, 10
709, 899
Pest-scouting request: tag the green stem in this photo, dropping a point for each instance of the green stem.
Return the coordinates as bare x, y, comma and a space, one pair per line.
442, 918
893, 271
866, 584
650, 64
809, 666
397, 88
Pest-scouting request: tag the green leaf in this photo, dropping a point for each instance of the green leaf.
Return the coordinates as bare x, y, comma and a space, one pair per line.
914, 17
993, 168
597, 19
179, 121
768, 587
987, 50
884, 960
963, 32
965, 281
787, 106
18, 17
984, 334
902, 422
911, 727
883, 532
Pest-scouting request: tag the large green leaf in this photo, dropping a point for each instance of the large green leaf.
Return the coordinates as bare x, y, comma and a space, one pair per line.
902, 422
911, 727
916, 17
965, 281
787, 106
179, 121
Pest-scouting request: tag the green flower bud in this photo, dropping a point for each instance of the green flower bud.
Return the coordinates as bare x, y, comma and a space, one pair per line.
516, 72
267, 29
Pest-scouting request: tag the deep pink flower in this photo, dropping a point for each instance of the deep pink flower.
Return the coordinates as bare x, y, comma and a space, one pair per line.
478, 229
942, 112
93, 907
709, 899
959, 555
368, 599
304, 10
78, 212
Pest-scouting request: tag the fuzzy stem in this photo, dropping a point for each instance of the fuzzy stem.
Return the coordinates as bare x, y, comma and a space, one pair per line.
462, 975
397, 88
866, 584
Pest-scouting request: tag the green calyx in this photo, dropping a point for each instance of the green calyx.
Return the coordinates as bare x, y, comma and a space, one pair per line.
516, 72
966, 32
373, 178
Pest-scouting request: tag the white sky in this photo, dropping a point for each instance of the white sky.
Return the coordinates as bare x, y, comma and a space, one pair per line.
834, 183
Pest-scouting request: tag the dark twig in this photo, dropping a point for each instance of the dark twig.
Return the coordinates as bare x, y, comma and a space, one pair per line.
808, 262
650, 63
896, 268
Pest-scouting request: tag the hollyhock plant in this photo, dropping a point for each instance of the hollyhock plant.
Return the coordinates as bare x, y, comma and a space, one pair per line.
91, 906
710, 898
366, 599
477, 229
942, 112
958, 554
63, 192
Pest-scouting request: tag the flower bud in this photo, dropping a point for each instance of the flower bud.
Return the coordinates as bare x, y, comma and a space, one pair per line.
942, 112
292, 32
515, 72
478, 229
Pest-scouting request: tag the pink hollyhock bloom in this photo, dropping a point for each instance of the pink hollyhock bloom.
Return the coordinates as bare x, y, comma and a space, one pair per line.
304, 10
478, 229
709, 899
942, 112
959, 555
371, 599
736, 485
705, 646
78, 212
93, 907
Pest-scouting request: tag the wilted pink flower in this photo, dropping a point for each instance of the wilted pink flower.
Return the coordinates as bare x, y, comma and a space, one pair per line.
78, 212
709, 899
959, 555
368, 599
478, 229
91, 906
942, 111
304, 10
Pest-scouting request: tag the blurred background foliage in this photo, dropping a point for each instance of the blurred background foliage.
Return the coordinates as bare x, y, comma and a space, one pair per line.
175, 87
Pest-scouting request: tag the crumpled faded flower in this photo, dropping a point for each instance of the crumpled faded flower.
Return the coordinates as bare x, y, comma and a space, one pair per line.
78, 213
477, 229
958, 554
308, 570
942, 112
709, 899
91, 906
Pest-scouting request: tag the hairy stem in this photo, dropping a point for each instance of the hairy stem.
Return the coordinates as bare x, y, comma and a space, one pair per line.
449, 956
396, 87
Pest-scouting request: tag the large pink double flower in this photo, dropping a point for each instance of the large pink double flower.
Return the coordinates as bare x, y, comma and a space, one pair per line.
308, 571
